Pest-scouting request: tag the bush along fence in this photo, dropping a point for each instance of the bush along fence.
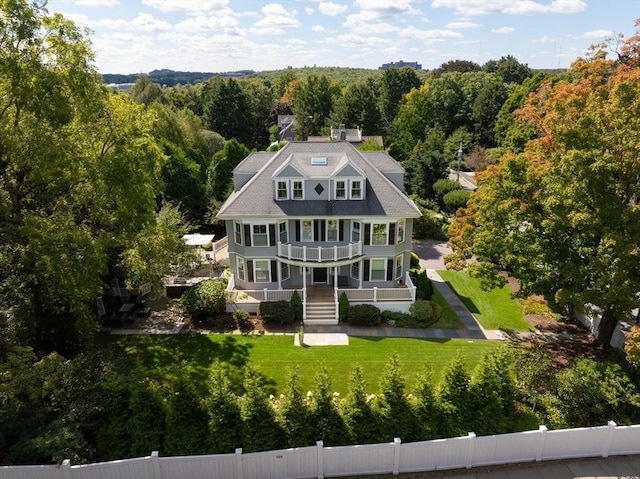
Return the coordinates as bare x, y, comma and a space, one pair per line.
389, 458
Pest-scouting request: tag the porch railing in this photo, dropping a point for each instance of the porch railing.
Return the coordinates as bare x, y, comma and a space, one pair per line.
382, 294
319, 254
256, 295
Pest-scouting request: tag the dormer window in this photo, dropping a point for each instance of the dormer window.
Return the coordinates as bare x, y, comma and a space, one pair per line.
282, 190
298, 192
356, 190
341, 190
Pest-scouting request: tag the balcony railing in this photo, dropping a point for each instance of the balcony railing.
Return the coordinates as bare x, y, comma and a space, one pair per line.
319, 254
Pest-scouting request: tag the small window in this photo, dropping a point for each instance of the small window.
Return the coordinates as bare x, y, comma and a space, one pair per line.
307, 230
241, 269
237, 233
282, 232
341, 190
400, 232
262, 271
356, 190
319, 160
378, 270
284, 271
298, 192
355, 232
355, 270
399, 266
259, 237
379, 234
282, 190
332, 230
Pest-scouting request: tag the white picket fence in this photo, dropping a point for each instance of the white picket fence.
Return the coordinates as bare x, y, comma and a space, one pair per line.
390, 458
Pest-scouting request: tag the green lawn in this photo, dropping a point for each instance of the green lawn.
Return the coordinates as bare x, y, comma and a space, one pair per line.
163, 357
494, 309
449, 319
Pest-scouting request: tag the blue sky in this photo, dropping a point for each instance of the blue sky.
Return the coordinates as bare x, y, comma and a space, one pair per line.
134, 36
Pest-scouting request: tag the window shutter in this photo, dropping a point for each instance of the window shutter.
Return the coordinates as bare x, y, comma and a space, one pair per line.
323, 230
389, 269
247, 235
392, 233
298, 230
250, 270
272, 235
341, 230
274, 271
366, 270
367, 233
316, 230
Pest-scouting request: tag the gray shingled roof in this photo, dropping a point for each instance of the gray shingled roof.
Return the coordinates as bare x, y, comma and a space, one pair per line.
255, 198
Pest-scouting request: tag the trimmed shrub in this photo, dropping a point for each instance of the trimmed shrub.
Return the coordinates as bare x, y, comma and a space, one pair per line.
343, 307
456, 199
424, 288
277, 312
415, 261
241, 317
364, 315
206, 298
444, 186
296, 304
393, 318
422, 313
430, 226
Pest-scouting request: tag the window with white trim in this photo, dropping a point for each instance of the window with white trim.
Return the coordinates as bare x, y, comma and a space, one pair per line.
355, 231
284, 271
259, 236
355, 270
379, 234
298, 190
282, 190
237, 232
356, 190
262, 270
341, 190
283, 234
378, 270
399, 266
241, 268
307, 230
332, 230
400, 232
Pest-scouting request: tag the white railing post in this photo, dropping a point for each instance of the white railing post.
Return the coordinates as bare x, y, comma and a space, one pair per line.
266, 294
350, 250
289, 251
607, 443
396, 456
239, 471
335, 253
472, 443
319, 254
543, 432
304, 253
375, 294
304, 303
155, 464
320, 448
66, 468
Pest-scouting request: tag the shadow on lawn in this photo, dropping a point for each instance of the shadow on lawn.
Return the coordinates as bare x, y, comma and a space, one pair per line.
468, 302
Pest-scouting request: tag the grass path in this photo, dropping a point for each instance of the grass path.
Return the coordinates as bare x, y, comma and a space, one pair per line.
494, 309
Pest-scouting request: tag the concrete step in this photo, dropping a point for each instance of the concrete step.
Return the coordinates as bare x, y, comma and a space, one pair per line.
319, 314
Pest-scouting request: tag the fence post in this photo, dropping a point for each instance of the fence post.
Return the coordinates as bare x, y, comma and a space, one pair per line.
66, 468
472, 443
607, 442
155, 464
266, 294
319, 448
543, 431
396, 455
239, 471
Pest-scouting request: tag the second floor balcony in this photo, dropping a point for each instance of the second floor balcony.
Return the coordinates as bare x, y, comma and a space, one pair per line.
320, 254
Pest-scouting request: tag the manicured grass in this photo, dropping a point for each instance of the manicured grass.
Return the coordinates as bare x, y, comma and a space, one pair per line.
449, 319
164, 357
494, 309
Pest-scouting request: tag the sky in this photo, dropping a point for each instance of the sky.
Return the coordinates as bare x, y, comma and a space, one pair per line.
138, 36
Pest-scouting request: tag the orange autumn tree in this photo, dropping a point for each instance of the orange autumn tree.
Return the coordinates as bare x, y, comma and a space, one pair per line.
563, 216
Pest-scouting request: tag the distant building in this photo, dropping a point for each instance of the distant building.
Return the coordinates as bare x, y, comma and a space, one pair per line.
352, 135
400, 64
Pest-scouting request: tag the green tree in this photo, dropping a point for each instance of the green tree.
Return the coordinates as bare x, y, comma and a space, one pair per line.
186, 433
393, 407
359, 418
314, 103
426, 407
146, 423
358, 107
511, 70
328, 423
145, 91
293, 414
227, 110
220, 172
424, 167
454, 398
225, 421
260, 431
394, 84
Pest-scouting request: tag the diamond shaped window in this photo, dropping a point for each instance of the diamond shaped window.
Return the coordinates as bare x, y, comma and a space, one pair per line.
319, 189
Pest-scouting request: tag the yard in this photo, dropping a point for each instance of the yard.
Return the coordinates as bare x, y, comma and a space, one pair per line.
163, 357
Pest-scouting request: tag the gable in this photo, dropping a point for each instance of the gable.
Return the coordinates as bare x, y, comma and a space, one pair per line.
348, 170
288, 172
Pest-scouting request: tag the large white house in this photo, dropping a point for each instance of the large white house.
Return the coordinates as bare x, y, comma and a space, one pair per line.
322, 218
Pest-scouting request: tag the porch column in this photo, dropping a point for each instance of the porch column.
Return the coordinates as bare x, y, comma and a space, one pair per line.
335, 292
304, 293
279, 266
360, 274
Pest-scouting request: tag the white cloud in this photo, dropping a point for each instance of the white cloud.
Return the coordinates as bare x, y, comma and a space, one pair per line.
429, 36
460, 25
545, 39
187, 6
147, 23
331, 9
309, 10
597, 34
510, 7
377, 28
204, 23
318, 28
386, 8
275, 19
353, 39
97, 3
503, 30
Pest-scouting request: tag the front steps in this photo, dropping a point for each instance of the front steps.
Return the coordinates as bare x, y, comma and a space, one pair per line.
321, 314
